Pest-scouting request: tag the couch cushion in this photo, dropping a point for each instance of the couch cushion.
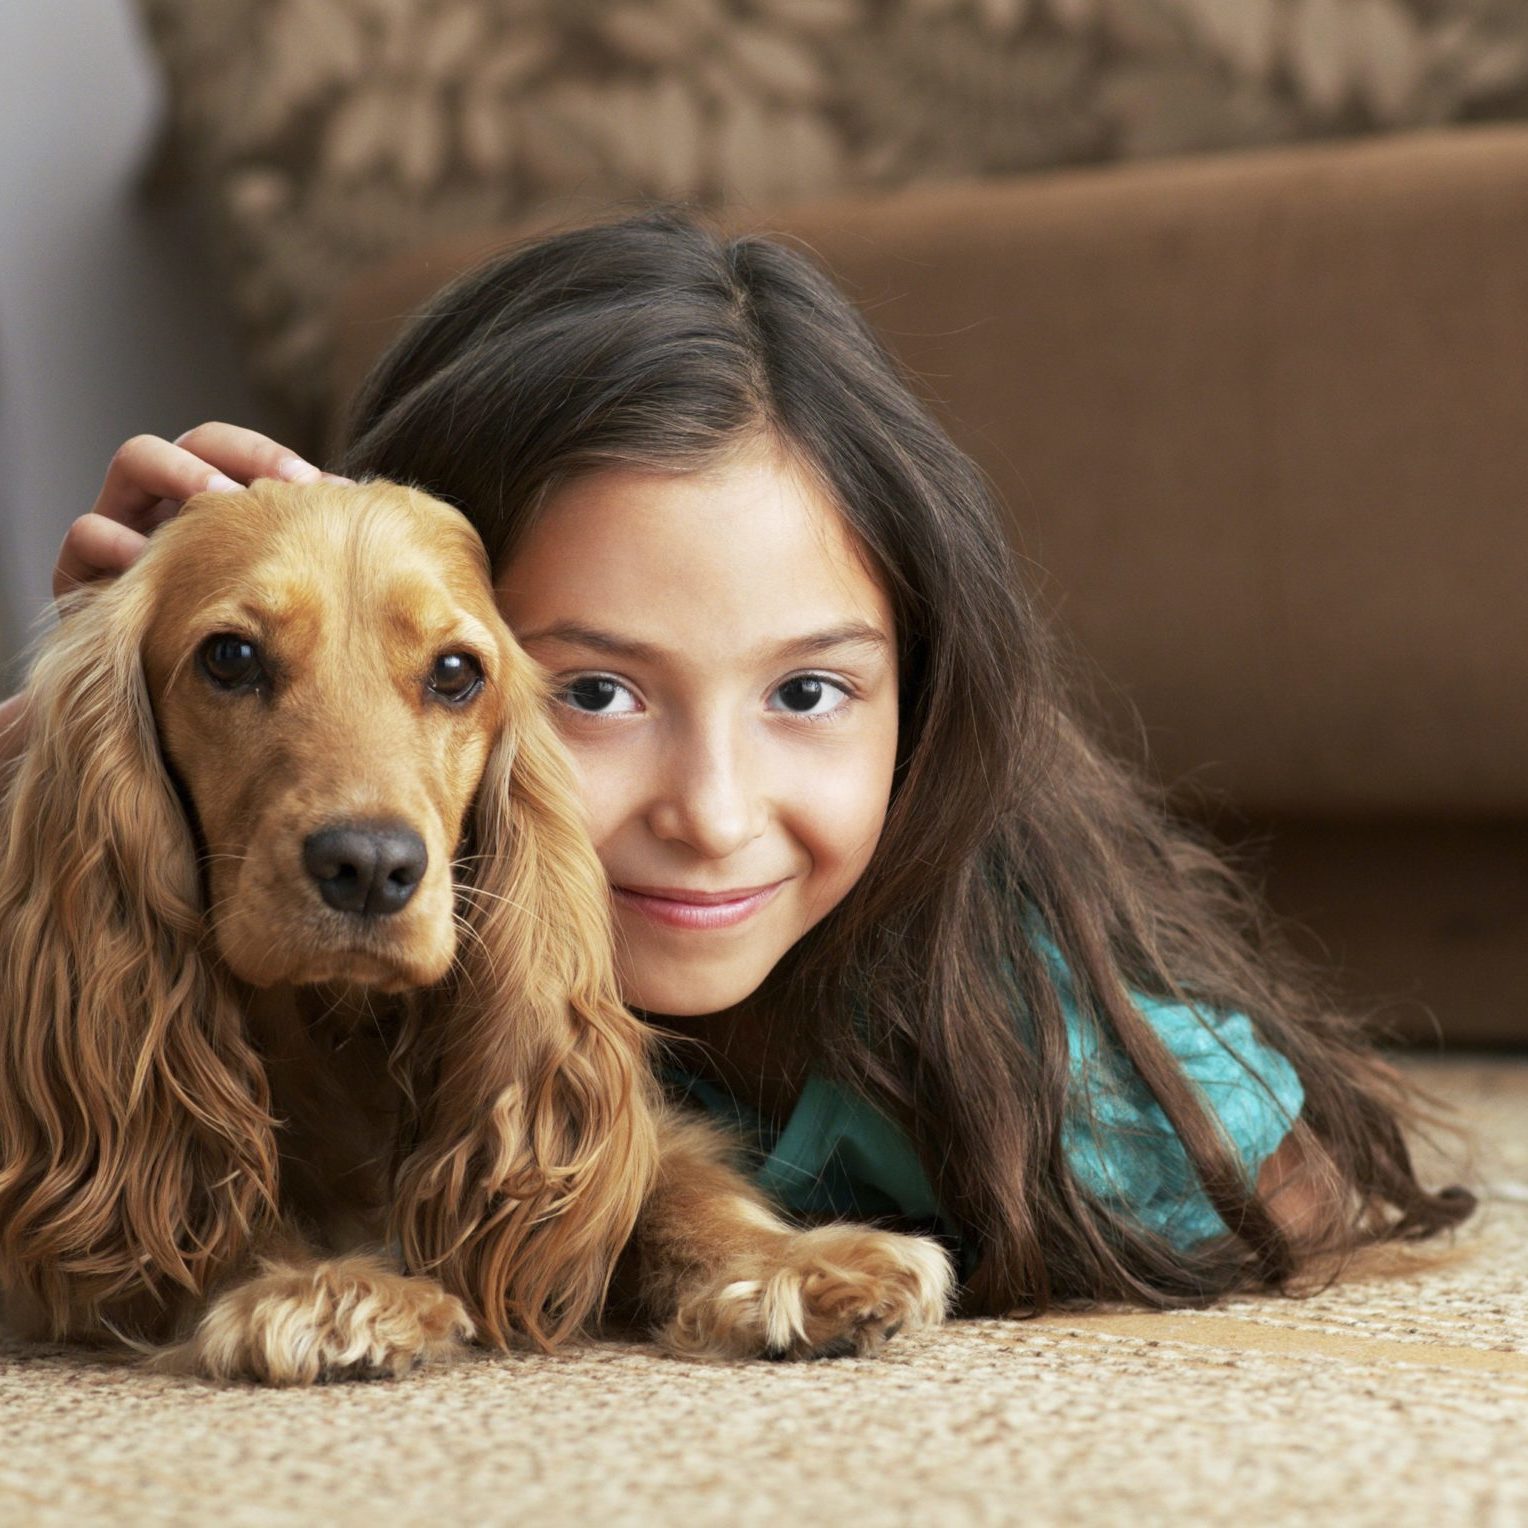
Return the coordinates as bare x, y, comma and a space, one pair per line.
318, 138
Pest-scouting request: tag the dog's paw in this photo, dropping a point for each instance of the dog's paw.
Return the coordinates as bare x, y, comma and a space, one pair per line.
347, 1318
825, 1293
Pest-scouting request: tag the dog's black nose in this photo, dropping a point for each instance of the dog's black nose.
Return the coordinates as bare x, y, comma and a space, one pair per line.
369, 868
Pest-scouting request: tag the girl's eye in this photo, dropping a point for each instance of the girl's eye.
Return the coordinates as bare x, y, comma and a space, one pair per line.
598, 695
811, 695
232, 662
456, 677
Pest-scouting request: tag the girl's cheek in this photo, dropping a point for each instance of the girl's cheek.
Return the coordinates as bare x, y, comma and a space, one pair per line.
604, 781
840, 806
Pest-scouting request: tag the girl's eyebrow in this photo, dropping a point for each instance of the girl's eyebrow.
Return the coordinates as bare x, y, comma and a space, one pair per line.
847, 634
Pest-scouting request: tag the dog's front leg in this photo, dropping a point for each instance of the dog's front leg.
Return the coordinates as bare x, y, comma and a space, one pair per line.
720, 1275
300, 1319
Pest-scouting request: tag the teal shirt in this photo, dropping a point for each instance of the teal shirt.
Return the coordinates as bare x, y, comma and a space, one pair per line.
837, 1156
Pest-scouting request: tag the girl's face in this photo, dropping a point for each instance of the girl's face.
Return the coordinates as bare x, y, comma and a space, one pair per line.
727, 684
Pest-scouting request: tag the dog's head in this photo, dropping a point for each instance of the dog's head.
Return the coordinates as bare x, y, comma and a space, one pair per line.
329, 677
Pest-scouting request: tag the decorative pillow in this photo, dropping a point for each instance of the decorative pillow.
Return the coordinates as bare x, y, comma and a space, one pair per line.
322, 136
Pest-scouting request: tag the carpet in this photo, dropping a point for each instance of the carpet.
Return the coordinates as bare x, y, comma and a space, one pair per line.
1390, 1400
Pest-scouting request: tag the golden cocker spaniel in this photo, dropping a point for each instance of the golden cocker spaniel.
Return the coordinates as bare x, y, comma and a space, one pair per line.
312, 1060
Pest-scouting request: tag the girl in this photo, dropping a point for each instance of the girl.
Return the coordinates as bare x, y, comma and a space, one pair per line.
938, 957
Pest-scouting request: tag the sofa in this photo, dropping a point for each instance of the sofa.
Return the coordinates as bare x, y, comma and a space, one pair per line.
1261, 424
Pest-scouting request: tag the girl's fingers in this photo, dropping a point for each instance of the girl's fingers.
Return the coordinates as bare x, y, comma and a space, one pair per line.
246, 454
165, 509
146, 470
95, 547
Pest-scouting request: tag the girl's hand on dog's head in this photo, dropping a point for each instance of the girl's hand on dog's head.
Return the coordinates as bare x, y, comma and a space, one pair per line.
147, 482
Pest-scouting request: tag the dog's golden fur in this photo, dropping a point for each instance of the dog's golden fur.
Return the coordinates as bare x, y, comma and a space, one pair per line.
260, 1137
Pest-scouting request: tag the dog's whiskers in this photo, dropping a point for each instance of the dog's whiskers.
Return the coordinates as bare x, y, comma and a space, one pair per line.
466, 888
464, 925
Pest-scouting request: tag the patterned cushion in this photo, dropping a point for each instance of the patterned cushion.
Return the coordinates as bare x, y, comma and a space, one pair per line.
322, 136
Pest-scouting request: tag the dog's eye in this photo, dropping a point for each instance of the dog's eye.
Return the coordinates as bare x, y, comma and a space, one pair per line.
232, 663
456, 676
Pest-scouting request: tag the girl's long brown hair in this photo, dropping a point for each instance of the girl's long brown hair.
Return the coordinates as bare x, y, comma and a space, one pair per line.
656, 341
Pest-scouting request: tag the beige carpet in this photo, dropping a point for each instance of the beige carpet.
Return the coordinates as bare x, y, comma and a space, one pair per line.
1389, 1401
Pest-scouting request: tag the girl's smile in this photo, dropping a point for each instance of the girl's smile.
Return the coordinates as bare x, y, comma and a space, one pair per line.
679, 908
726, 676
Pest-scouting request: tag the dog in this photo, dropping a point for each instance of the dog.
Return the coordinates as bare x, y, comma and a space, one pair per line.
313, 1064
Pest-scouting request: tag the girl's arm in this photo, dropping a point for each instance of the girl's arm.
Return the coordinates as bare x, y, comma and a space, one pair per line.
1297, 1193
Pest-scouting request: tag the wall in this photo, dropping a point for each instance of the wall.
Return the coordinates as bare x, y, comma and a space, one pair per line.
108, 324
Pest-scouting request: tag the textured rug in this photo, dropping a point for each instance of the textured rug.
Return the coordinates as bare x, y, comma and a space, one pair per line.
1389, 1400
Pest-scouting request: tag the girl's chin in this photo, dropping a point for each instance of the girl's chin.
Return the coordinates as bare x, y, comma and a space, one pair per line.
688, 999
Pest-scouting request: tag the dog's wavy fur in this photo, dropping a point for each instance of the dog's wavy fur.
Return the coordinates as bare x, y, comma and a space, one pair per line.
223, 1141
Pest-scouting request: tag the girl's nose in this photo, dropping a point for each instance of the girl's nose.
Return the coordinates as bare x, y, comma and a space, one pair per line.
708, 801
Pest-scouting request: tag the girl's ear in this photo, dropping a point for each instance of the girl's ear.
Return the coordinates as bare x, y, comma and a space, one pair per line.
537, 1141
136, 1146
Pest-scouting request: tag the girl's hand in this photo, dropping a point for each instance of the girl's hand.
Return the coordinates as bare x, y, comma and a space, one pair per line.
147, 482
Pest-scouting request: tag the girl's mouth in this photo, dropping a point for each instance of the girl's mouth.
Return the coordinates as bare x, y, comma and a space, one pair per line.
676, 907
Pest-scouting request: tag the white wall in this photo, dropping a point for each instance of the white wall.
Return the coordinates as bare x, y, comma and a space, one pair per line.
108, 326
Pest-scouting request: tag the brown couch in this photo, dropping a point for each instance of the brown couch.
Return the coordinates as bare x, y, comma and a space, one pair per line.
1262, 424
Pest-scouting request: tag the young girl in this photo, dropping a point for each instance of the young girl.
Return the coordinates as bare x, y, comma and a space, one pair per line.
939, 958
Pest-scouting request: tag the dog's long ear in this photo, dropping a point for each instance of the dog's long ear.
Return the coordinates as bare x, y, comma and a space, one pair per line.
538, 1142
136, 1147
